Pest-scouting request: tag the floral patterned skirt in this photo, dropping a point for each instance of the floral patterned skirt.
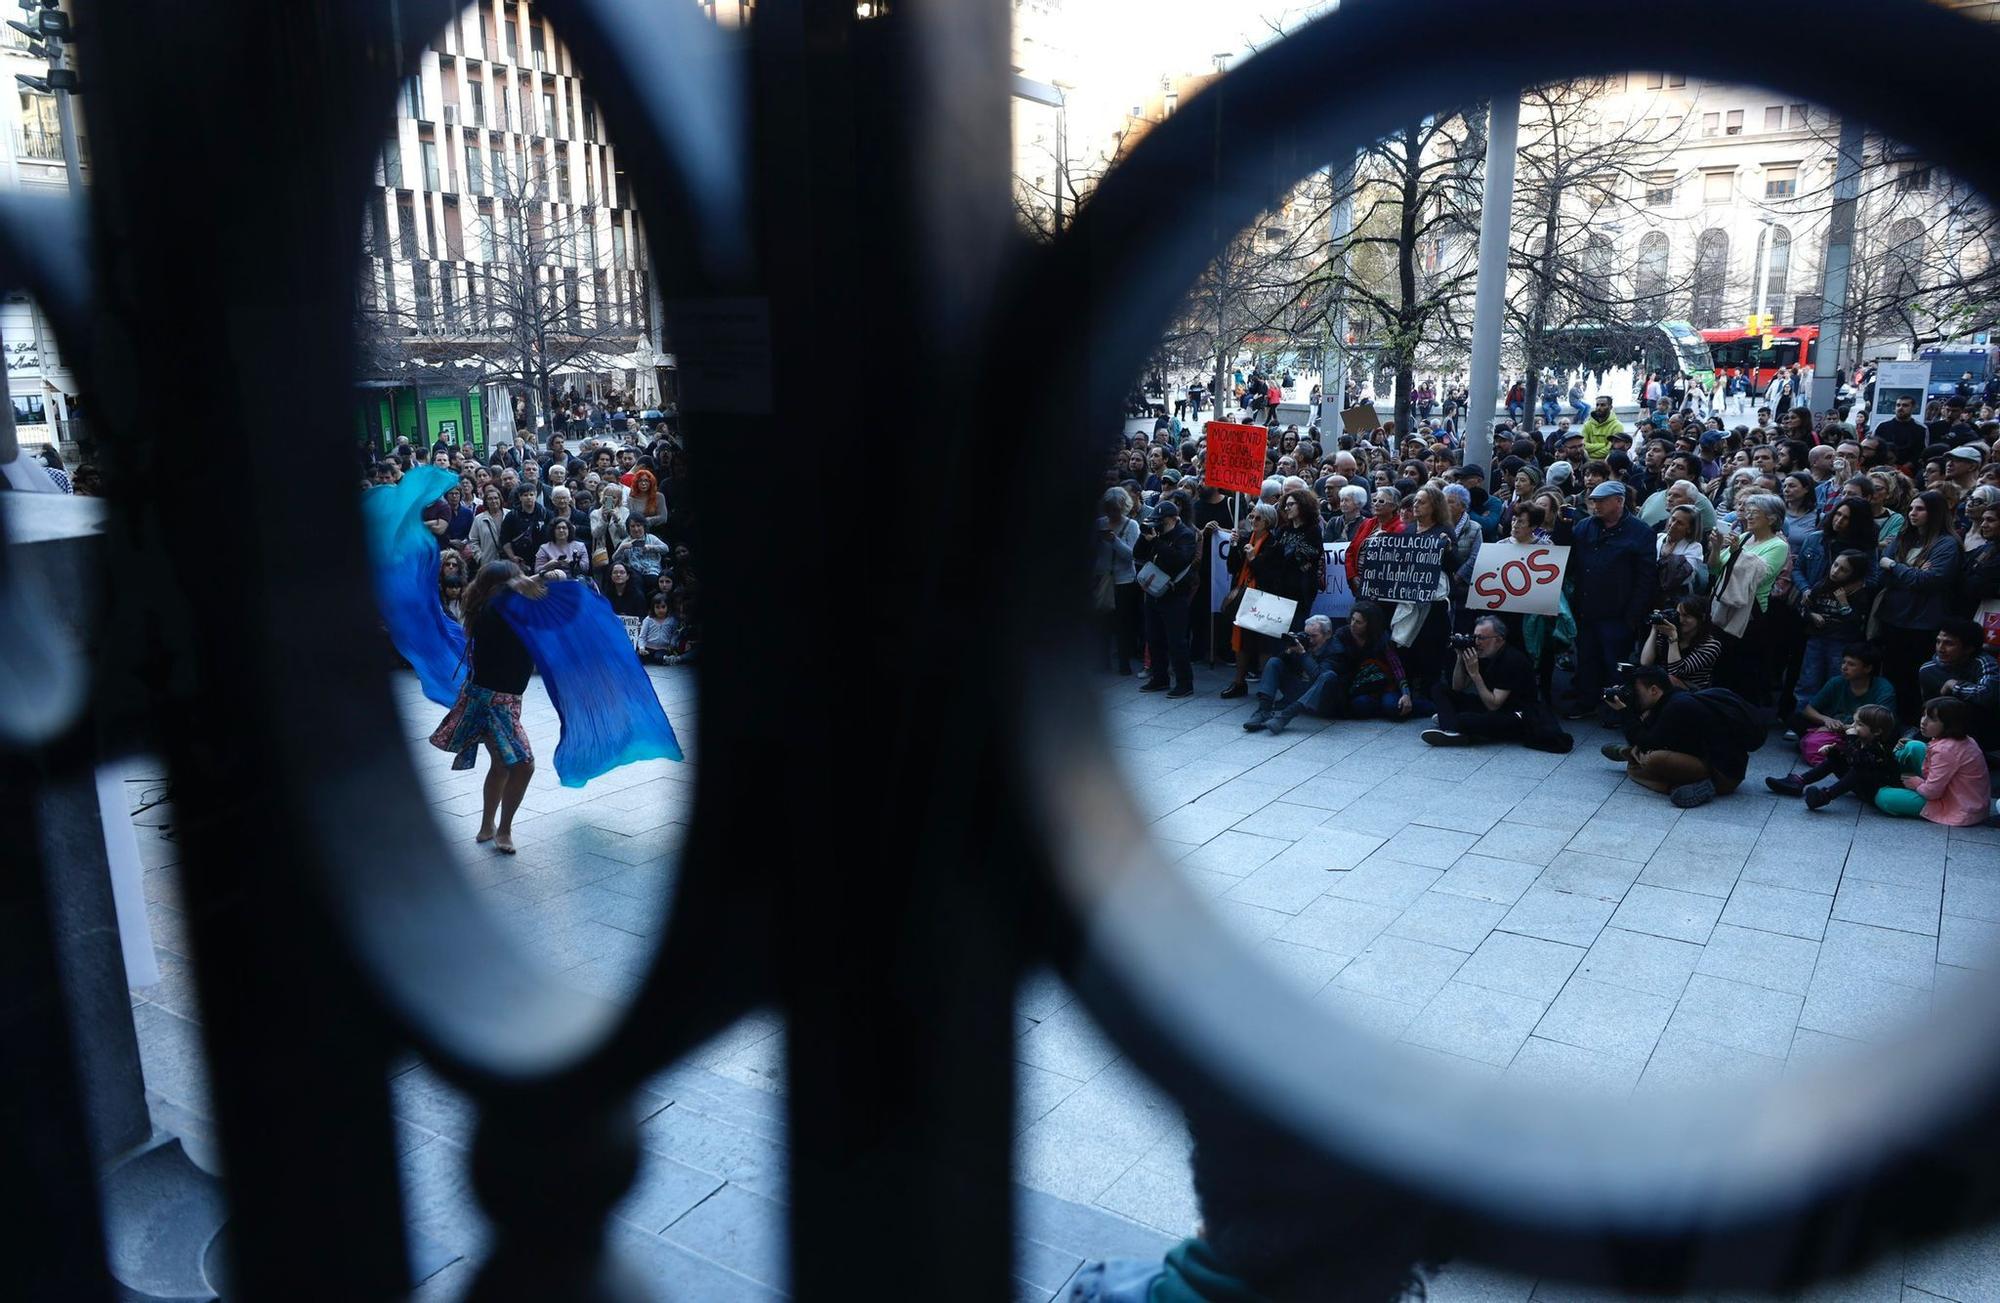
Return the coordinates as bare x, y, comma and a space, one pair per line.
482, 715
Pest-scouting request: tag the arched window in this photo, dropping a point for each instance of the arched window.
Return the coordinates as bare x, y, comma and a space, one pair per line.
1597, 262
1902, 262
1650, 277
1779, 272
1711, 278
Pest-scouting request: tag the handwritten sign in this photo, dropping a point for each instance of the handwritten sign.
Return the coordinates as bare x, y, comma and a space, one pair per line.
632, 623
1235, 456
1403, 567
1518, 577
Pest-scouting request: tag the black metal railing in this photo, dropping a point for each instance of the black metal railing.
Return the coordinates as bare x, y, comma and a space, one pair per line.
818, 189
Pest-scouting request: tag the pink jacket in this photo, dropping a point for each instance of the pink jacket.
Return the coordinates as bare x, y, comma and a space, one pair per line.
1954, 783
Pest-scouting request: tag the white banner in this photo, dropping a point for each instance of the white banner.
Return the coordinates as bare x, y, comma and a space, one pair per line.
1265, 613
1895, 380
1518, 577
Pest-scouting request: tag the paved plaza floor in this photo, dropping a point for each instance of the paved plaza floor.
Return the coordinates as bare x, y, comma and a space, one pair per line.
1508, 911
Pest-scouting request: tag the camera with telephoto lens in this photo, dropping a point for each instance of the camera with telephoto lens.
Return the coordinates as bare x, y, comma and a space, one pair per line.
1662, 617
1464, 642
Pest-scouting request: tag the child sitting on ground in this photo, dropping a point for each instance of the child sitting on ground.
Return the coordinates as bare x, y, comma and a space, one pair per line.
1862, 762
1945, 780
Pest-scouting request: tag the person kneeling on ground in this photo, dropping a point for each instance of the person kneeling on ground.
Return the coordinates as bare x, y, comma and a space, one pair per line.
1862, 760
1692, 745
1306, 669
1490, 687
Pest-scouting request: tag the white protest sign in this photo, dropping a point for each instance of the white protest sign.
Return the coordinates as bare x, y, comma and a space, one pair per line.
1524, 577
1221, 571
1265, 613
1335, 599
1895, 380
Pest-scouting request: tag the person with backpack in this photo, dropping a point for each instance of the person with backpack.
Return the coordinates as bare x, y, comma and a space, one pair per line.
1694, 746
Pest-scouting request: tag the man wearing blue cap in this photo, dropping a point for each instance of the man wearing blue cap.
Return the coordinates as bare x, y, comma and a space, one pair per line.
1611, 570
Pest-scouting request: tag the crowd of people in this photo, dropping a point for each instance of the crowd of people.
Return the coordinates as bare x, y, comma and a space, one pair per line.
1799, 572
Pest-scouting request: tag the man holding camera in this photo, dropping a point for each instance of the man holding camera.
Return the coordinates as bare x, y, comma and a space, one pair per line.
1491, 685
1306, 665
1170, 547
1693, 746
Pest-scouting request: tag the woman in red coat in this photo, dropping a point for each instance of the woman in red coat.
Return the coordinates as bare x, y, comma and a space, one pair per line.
1388, 519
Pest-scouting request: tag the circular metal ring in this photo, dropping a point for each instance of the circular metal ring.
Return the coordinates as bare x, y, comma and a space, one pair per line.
1757, 1190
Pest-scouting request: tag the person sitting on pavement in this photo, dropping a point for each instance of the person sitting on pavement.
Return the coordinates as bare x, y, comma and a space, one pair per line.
1965, 670
1945, 778
1370, 679
1863, 762
1301, 676
1491, 684
1823, 721
1694, 746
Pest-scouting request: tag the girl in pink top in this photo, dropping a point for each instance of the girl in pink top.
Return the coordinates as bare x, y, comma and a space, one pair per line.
1953, 787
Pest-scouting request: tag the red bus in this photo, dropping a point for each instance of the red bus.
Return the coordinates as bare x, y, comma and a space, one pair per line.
1738, 349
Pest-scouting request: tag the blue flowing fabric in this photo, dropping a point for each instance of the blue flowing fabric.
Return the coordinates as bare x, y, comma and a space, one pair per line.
610, 714
404, 558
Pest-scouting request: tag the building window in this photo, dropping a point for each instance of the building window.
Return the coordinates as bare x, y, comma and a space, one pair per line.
1655, 80
413, 97
28, 410
1774, 118
1777, 273
1711, 124
430, 156
475, 102
475, 167
1711, 277
1799, 120
1660, 190
590, 176
392, 165
513, 42
562, 175
1781, 182
540, 48
1718, 187
549, 127
406, 226
1675, 80
1733, 124
589, 120
1912, 177
618, 244
422, 274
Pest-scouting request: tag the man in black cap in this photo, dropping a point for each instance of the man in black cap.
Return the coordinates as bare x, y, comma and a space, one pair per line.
1166, 552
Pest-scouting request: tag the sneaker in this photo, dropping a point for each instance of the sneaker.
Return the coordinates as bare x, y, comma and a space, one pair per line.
1618, 751
1257, 721
1789, 785
1444, 737
1698, 793
1818, 798
1185, 690
1153, 685
1791, 735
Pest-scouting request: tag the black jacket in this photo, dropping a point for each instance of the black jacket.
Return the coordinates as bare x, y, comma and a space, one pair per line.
1172, 552
1711, 724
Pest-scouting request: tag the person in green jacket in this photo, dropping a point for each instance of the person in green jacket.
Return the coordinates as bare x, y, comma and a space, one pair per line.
1597, 431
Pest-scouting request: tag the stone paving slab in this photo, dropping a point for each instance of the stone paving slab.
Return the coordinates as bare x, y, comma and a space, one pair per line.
1501, 910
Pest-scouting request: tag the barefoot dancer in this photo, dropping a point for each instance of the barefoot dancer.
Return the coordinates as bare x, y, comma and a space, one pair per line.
488, 710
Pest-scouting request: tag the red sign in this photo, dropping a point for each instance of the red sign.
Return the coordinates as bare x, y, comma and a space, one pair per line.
1235, 456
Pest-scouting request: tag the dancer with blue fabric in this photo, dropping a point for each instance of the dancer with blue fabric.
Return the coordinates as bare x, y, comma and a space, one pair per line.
609, 712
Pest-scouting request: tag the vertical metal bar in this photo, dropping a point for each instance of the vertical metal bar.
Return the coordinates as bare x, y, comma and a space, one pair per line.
1494, 229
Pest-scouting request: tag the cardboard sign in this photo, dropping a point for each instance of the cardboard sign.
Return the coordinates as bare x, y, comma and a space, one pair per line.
1895, 380
1359, 420
1262, 612
1518, 577
1403, 567
1235, 457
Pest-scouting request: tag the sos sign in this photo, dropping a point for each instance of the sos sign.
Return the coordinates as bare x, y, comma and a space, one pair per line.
1518, 577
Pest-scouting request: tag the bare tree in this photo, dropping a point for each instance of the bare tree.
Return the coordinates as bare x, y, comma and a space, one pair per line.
1578, 301
523, 294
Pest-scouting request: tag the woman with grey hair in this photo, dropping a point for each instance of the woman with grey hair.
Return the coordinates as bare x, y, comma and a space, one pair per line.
1340, 527
1748, 664
1117, 532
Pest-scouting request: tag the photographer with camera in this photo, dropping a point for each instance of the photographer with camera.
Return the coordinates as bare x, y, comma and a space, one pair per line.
1692, 745
1166, 553
1682, 640
1305, 669
1490, 687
